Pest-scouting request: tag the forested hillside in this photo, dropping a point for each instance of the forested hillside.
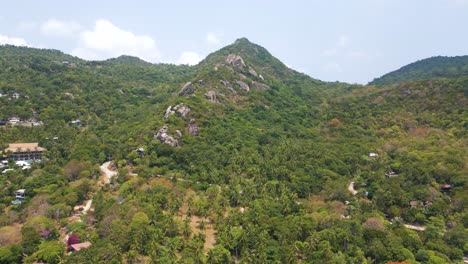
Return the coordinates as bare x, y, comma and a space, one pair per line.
435, 67
238, 159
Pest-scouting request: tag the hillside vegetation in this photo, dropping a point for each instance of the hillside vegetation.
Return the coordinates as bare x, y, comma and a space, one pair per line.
435, 67
236, 160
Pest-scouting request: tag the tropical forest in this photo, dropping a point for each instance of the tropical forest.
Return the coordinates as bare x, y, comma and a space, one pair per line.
238, 159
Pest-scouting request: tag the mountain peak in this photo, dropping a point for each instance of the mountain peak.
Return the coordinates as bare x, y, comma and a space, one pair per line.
251, 55
128, 60
243, 40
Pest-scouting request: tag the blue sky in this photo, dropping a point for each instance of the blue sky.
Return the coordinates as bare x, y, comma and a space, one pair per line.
346, 40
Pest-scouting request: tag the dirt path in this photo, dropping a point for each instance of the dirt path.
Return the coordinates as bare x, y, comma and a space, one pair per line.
82, 209
108, 174
414, 227
351, 188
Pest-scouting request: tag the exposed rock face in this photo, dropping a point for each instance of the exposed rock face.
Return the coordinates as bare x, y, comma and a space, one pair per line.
179, 134
253, 72
69, 96
187, 89
211, 95
242, 76
243, 85
193, 129
228, 86
235, 60
168, 113
181, 110
260, 86
261, 77
164, 137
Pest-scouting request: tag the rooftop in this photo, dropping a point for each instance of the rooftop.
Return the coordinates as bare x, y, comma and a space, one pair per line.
23, 147
80, 246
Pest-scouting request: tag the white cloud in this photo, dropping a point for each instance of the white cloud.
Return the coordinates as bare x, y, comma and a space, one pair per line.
189, 57
12, 41
107, 40
211, 38
54, 27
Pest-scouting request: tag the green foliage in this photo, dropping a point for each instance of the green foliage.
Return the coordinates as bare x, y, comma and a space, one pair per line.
266, 178
50, 252
11, 254
434, 67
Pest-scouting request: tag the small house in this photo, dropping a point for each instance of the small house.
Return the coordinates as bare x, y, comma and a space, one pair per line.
16, 96
24, 151
445, 187
76, 122
373, 155
3, 122
414, 204
140, 151
20, 194
391, 174
80, 246
14, 120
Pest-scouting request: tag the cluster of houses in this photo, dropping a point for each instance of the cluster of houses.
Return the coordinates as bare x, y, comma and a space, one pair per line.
445, 188
16, 121
23, 154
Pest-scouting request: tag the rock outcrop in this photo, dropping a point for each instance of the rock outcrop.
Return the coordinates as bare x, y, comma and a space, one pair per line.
193, 129
235, 60
243, 85
69, 96
253, 72
181, 110
228, 85
211, 95
179, 134
187, 89
169, 112
260, 86
164, 137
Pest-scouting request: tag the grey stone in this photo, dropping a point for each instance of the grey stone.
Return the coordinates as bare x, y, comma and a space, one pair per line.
193, 129
211, 95
187, 89
260, 86
243, 85
253, 72
235, 60
164, 137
